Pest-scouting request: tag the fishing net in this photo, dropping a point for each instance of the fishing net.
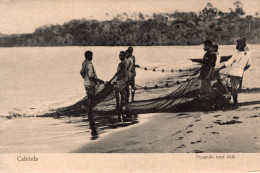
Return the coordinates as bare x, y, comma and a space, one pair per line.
186, 92
184, 96
104, 93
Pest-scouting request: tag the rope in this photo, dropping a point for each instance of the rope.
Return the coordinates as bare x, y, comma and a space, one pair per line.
169, 71
156, 86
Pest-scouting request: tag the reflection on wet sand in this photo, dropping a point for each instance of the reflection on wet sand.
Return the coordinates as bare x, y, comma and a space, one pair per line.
100, 124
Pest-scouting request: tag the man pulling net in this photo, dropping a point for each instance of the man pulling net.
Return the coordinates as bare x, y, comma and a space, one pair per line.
183, 97
234, 68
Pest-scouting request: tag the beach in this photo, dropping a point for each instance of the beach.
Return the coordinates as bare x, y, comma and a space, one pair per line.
230, 131
28, 95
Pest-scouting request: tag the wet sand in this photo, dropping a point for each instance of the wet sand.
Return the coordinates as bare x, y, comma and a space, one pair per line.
41, 135
63, 135
230, 131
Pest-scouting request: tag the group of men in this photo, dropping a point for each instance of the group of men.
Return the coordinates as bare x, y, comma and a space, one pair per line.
233, 68
124, 80
211, 69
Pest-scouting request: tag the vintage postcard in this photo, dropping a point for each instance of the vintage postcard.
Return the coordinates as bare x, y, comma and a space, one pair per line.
129, 86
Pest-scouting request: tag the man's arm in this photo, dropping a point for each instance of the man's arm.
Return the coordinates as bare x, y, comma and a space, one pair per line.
249, 61
82, 72
210, 74
225, 64
91, 75
212, 63
229, 62
119, 69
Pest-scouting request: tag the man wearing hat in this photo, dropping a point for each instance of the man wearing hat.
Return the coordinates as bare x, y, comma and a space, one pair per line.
234, 68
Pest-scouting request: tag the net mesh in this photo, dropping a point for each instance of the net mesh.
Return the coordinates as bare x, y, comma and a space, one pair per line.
183, 97
186, 92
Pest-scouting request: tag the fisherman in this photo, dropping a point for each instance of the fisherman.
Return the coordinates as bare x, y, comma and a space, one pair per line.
133, 74
234, 68
217, 75
207, 69
129, 68
120, 88
90, 82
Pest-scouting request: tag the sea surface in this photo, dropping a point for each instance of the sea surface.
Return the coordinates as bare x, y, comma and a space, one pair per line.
35, 80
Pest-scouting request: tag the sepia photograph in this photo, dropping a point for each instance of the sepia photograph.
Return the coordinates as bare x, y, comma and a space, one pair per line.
129, 76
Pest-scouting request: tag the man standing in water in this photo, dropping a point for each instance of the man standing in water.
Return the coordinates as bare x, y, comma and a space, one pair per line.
90, 81
120, 88
207, 69
234, 68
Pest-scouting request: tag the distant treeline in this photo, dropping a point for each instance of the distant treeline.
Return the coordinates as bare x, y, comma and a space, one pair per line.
178, 28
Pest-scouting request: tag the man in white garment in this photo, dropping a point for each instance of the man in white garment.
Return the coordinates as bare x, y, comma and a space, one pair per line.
234, 68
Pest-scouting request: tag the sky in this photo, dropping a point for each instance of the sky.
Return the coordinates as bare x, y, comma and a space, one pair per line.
24, 16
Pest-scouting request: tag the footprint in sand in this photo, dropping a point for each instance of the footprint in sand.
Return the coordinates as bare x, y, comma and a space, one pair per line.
197, 120
183, 115
190, 125
132, 143
182, 146
256, 107
227, 122
216, 116
190, 131
210, 126
176, 133
196, 142
253, 116
198, 151
180, 138
215, 133
112, 151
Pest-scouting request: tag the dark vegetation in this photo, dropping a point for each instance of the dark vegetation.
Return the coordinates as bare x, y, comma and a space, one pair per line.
178, 28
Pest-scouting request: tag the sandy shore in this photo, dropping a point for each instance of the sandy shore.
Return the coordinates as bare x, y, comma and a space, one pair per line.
229, 131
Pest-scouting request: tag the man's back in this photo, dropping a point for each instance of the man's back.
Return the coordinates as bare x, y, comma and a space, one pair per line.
241, 59
89, 70
236, 64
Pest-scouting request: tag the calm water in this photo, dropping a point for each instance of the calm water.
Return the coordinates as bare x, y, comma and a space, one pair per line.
37, 79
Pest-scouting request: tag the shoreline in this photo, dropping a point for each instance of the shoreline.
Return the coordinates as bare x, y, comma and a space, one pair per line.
63, 135
230, 131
